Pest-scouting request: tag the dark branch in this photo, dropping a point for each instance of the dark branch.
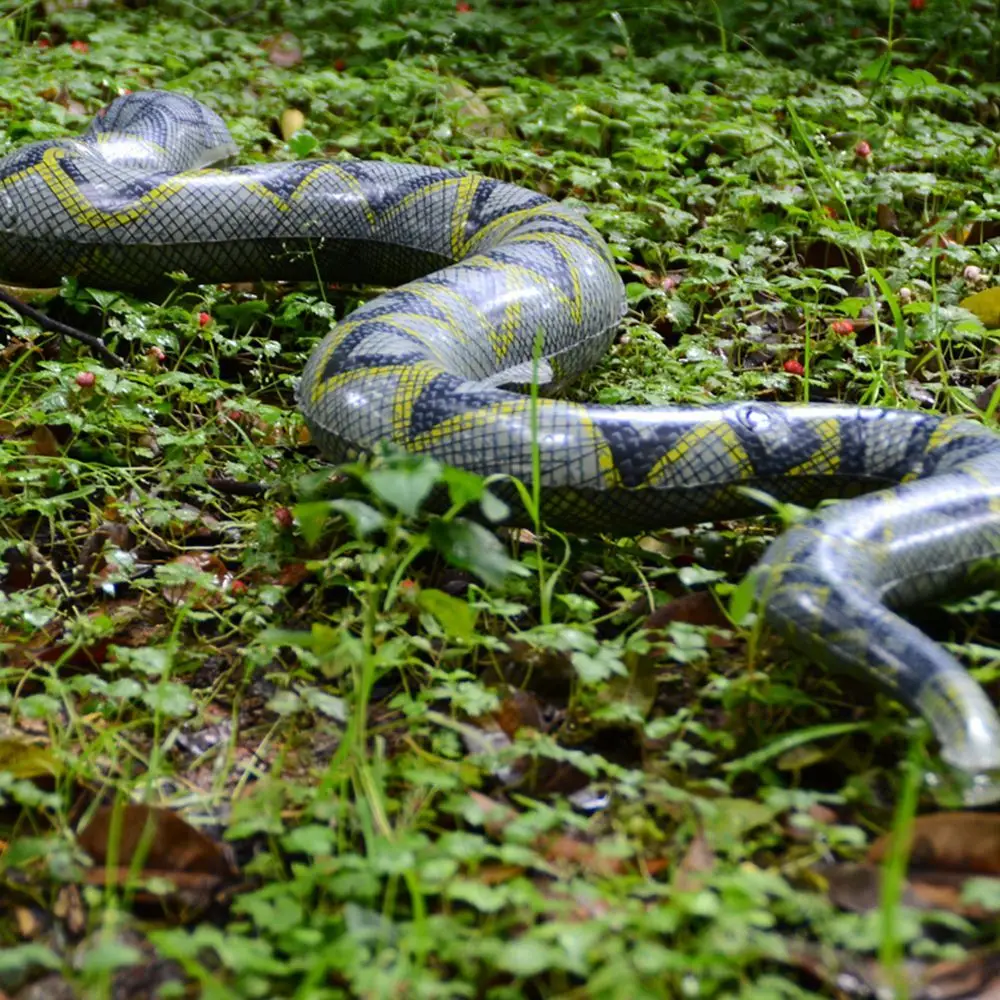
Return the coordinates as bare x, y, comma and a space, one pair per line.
54, 326
235, 488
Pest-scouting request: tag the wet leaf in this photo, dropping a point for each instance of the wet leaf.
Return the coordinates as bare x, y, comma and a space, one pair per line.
455, 616
27, 760
986, 306
363, 518
470, 546
406, 484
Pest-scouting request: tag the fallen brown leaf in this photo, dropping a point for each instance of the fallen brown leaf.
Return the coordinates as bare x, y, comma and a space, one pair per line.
698, 860
170, 844
857, 887
964, 842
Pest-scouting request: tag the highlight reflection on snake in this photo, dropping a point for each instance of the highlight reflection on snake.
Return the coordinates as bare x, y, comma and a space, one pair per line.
489, 271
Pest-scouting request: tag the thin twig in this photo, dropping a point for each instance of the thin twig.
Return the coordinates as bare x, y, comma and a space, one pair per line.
54, 326
236, 488
234, 18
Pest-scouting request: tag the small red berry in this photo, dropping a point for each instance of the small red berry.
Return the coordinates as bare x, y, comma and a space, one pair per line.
43, 43
829, 211
340, 65
462, 7
79, 46
794, 367
862, 150
283, 517
237, 587
85, 380
204, 318
842, 326
156, 354
918, 4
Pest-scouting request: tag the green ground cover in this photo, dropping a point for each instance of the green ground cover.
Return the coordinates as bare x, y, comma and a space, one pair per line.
443, 765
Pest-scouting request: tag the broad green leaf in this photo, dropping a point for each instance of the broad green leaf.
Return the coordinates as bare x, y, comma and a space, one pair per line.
493, 508
455, 616
742, 599
877, 68
603, 663
311, 839
527, 957
312, 517
363, 518
326, 704
405, 484
463, 486
470, 546
303, 143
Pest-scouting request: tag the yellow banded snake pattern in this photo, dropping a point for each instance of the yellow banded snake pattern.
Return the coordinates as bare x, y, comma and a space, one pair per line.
492, 282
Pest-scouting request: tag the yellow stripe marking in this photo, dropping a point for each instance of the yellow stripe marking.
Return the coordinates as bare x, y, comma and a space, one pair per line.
822, 461
740, 469
515, 270
413, 379
80, 209
347, 179
460, 213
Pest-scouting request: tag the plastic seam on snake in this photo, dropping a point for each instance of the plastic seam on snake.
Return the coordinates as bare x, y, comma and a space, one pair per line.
486, 271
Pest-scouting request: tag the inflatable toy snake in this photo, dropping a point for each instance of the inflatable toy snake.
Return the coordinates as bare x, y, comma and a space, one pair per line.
501, 286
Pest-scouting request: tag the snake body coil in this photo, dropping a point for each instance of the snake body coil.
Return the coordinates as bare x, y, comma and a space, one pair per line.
489, 271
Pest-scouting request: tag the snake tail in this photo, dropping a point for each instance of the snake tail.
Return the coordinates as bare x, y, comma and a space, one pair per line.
492, 286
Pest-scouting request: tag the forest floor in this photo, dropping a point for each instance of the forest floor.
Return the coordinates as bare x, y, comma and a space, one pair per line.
271, 731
